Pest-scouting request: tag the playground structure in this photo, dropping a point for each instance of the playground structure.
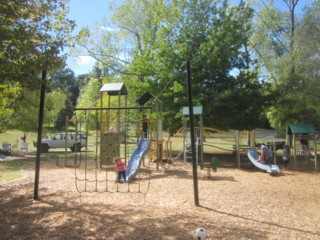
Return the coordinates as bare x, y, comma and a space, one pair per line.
187, 156
297, 132
115, 130
254, 157
235, 142
205, 137
157, 150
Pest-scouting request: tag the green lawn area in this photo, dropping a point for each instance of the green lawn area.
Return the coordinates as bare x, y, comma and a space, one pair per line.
11, 170
14, 137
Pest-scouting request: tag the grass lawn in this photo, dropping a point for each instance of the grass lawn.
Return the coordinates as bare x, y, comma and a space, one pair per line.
14, 138
11, 170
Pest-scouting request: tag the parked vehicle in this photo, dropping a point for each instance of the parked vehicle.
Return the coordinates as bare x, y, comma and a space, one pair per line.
70, 140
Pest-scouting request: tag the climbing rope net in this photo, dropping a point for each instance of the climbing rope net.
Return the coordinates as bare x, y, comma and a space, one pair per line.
110, 132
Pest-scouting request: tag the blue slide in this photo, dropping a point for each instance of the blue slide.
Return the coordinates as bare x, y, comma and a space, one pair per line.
254, 156
136, 158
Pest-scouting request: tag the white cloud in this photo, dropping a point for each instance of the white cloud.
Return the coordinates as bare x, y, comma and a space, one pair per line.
81, 64
85, 60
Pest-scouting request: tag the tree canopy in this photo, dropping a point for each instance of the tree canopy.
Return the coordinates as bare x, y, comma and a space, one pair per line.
285, 42
250, 61
162, 35
33, 35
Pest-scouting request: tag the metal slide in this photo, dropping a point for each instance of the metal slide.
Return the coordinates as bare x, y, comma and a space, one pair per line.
136, 158
254, 156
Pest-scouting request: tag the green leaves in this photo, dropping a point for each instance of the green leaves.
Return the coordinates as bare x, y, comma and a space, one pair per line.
9, 96
214, 36
286, 42
243, 66
32, 37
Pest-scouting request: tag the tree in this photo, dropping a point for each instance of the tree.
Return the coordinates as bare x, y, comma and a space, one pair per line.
163, 34
90, 98
32, 37
66, 82
202, 31
89, 94
25, 115
9, 95
281, 46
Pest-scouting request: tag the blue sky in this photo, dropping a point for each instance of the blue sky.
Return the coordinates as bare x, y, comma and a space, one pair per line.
86, 13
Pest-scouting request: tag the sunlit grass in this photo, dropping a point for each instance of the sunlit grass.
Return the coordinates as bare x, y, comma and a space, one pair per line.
10, 171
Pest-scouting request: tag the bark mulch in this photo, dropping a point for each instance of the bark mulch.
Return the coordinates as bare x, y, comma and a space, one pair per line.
244, 203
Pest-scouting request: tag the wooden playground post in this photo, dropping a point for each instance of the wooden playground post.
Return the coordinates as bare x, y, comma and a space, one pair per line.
201, 138
65, 141
294, 151
315, 155
253, 139
275, 153
237, 148
184, 140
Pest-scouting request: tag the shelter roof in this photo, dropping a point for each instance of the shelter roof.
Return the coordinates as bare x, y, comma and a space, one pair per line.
114, 89
301, 129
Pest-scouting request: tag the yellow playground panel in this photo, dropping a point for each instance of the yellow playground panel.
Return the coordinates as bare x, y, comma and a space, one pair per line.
216, 141
222, 141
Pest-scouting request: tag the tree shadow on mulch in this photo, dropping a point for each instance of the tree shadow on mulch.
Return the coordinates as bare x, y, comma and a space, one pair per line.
23, 218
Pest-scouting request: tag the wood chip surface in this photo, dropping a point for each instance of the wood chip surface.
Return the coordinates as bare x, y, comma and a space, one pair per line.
244, 203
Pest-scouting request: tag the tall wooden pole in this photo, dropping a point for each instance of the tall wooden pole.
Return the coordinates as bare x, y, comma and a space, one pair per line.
40, 123
193, 144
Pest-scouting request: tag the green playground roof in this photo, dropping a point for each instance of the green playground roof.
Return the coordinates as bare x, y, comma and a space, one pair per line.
301, 129
144, 98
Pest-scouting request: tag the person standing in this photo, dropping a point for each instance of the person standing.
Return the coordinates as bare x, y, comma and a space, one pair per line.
265, 155
24, 138
303, 146
120, 167
145, 126
285, 156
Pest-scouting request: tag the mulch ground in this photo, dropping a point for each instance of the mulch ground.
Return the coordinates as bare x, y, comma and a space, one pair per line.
244, 203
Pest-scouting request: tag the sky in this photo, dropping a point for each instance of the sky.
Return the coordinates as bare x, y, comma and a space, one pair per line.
86, 13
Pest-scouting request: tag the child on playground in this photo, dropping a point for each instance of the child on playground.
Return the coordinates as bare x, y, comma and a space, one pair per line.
266, 154
285, 156
120, 167
145, 126
303, 146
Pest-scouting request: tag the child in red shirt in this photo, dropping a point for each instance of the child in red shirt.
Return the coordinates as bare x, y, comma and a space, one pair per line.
120, 168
